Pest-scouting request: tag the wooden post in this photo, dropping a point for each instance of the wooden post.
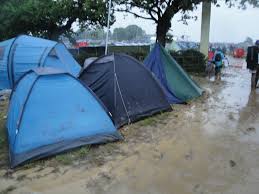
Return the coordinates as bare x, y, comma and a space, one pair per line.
205, 28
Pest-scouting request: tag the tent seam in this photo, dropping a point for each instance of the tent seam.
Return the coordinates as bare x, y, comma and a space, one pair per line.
11, 60
123, 102
43, 62
41, 57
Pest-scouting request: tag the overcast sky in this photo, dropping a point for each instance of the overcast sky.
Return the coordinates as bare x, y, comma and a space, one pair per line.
227, 25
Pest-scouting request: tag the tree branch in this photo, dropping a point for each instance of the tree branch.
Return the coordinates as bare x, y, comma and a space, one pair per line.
137, 15
152, 16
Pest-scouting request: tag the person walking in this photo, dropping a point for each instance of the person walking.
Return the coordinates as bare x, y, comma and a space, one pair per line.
252, 60
218, 61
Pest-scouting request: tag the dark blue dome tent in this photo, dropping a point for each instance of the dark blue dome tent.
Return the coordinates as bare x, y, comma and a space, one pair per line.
46, 117
20, 54
128, 89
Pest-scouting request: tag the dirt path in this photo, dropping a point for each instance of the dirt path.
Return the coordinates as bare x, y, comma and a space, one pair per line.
210, 146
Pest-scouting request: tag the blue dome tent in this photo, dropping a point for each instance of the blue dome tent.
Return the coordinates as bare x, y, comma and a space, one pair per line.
20, 54
46, 117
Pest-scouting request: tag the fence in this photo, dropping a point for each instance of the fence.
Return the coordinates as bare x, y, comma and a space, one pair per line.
191, 60
138, 52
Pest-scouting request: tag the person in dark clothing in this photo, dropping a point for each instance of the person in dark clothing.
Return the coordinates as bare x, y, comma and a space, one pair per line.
218, 61
252, 60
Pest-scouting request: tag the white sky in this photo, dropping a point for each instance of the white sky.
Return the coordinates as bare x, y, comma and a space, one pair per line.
227, 25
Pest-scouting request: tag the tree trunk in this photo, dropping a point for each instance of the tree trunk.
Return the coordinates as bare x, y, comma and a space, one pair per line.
161, 34
53, 32
163, 26
54, 36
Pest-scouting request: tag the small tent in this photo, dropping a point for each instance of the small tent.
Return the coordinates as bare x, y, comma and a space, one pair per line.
50, 112
20, 54
179, 87
126, 87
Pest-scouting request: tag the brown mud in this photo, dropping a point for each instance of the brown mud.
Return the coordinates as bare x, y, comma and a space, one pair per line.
210, 146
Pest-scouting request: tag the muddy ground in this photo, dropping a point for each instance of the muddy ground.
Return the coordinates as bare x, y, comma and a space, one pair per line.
210, 146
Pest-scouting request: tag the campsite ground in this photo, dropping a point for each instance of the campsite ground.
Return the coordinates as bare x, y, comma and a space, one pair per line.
209, 146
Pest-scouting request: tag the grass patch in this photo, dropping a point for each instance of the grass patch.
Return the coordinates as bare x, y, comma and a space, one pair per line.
83, 151
154, 120
8, 190
3, 110
148, 122
66, 158
69, 157
163, 116
3, 137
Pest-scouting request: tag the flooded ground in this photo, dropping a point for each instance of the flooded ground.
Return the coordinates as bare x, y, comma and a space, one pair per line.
210, 146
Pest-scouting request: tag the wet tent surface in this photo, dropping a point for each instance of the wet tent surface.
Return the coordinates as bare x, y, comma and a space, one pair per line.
43, 121
126, 88
23, 53
178, 85
153, 63
210, 146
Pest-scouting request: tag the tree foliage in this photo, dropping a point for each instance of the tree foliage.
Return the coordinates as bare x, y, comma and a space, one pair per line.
249, 41
93, 34
243, 3
130, 33
49, 18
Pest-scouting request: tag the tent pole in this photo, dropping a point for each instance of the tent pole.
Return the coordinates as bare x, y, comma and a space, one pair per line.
108, 28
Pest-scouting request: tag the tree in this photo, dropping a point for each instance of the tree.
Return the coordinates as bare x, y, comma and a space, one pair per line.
119, 34
249, 41
134, 32
162, 11
49, 18
93, 34
244, 3
130, 33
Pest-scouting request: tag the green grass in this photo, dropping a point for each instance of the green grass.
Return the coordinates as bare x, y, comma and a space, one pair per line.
8, 190
69, 157
154, 120
3, 109
3, 137
148, 122
66, 158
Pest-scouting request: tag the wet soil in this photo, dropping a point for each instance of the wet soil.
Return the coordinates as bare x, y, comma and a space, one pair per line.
210, 146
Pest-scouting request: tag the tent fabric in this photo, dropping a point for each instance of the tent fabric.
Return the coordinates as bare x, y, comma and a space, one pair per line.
154, 63
4, 52
24, 53
46, 117
179, 87
126, 88
88, 61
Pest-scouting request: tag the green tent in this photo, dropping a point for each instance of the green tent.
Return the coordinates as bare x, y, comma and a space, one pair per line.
177, 84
